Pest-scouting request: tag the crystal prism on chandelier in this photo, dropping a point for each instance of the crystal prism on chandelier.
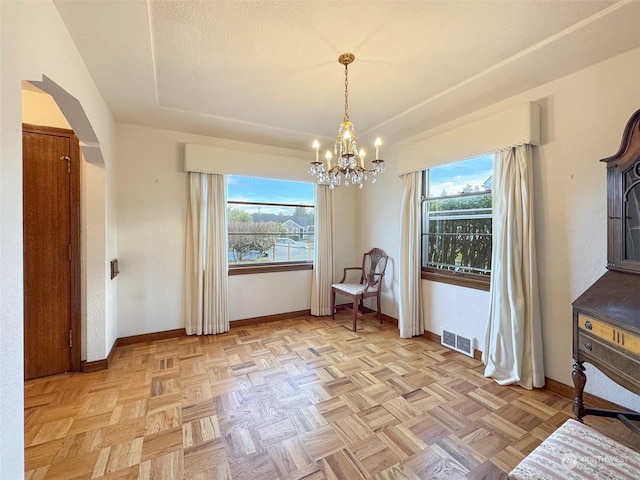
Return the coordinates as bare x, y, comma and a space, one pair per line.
348, 167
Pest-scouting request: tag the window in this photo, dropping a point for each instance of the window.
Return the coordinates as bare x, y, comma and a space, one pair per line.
456, 222
270, 224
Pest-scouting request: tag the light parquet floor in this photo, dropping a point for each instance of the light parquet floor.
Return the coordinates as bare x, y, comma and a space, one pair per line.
301, 398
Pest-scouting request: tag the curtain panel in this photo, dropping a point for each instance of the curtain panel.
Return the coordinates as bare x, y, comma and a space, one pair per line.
513, 343
322, 278
206, 290
411, 320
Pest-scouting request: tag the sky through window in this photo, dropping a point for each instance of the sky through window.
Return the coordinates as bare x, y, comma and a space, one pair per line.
266, 190
452, 178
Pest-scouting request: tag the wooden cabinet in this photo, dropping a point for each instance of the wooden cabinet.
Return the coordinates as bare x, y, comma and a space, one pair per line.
607, 333
606, 317
623, 201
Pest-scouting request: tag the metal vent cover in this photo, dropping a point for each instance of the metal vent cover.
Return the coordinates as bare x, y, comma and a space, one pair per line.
449, 339
460, 342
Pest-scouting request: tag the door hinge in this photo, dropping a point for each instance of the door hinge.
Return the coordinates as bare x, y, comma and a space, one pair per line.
70, 338
68, 160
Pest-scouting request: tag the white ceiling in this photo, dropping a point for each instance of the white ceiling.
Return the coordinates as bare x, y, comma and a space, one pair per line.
267, 72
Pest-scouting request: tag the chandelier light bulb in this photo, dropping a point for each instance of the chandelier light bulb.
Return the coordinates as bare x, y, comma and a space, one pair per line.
328, 157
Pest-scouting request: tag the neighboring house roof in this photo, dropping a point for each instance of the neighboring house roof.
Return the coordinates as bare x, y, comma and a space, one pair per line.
290, 224
301, 220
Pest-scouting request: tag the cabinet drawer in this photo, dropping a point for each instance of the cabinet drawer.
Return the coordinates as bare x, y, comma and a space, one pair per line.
609, 359
622, 339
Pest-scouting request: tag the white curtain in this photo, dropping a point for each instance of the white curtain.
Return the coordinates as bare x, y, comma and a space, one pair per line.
411, 321
206, 306
323, 258
513, 343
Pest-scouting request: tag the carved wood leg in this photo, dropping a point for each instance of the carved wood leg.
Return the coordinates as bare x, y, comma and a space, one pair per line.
379, 311
579, 380
333, 303
355, 312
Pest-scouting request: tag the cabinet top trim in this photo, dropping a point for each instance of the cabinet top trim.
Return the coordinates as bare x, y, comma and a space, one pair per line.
629, 150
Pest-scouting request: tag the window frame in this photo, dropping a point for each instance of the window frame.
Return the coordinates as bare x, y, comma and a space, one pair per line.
462, 279
272, 267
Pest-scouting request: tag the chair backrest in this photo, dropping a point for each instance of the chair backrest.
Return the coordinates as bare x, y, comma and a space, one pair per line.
374, 263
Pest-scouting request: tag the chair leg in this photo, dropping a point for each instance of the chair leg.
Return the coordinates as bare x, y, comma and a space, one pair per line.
355, 312
379, 311
333, 303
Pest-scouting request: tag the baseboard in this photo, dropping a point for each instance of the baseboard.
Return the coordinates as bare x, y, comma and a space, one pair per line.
367, 311
268, 318
434, 337
552, 385
95, 366
151, 337
181, 332
391, 320
559, 388
590, 400
112, 353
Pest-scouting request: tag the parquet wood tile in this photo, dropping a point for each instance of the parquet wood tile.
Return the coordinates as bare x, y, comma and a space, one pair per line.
161, 443
342, 464
206, 461
487, 471
484, 442
374, 455
304, 398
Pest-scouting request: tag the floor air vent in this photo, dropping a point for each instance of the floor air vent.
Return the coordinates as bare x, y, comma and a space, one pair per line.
458, 341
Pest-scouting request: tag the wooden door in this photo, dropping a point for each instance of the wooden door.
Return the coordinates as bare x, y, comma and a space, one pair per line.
51, 251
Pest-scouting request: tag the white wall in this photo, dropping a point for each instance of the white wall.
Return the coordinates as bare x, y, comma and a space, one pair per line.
378, 225
39, 108
269, 293
583, 117
34, 42
457, 308
111, 252
150, 205
151, 214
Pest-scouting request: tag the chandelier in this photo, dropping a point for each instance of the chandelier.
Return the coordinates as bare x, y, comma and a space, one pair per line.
348, 167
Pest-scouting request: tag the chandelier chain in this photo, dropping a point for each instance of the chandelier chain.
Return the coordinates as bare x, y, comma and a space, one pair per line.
346, 93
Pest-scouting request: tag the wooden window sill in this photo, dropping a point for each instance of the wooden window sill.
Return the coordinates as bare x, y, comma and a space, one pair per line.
460, 279
269, 268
